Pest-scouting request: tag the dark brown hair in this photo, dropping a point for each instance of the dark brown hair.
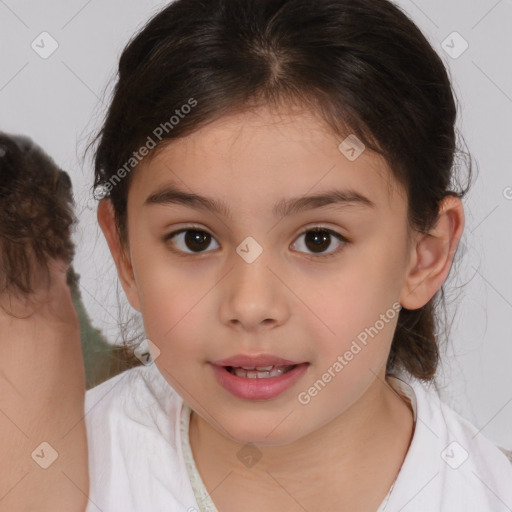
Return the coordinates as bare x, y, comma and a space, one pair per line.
362, 65
36, 214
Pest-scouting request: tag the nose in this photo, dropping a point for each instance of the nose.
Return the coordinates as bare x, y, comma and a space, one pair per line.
253, 296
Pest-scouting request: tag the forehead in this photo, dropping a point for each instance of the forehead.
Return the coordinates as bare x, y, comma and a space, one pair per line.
267, 154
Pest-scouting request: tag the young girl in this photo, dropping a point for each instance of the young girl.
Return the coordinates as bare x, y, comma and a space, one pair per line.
276, 191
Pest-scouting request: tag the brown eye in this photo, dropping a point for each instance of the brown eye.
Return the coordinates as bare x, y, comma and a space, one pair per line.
319, 240
190, 241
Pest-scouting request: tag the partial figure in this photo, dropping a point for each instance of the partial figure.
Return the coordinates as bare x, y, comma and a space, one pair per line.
43, 342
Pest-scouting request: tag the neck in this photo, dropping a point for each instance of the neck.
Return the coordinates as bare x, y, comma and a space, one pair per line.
371, 438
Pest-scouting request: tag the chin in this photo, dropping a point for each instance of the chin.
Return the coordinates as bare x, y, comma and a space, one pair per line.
267, 433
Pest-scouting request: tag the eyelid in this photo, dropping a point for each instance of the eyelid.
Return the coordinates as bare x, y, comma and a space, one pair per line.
191, 227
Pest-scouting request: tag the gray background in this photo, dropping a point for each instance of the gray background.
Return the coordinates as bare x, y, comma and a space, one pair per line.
58, 101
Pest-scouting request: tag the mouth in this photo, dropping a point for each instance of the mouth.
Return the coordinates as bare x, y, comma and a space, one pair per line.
258, 380
260, 372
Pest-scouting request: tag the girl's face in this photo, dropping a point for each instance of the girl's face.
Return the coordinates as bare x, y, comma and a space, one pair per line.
250, 278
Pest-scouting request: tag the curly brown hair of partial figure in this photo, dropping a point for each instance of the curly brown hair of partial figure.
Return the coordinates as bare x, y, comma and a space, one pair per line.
36, 223
36, 213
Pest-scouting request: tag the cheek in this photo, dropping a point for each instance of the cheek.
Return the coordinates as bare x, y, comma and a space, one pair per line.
361, 314
358, 305
172, 307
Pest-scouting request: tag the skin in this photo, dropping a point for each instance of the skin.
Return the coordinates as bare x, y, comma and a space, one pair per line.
348, 443
39, 350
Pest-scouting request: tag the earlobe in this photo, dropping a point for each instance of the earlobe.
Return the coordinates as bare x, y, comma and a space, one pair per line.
106, 220
433, 254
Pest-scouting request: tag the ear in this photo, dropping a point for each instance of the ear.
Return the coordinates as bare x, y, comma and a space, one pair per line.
106, 220
432, 255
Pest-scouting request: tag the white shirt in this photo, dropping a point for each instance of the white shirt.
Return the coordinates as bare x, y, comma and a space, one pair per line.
140, 458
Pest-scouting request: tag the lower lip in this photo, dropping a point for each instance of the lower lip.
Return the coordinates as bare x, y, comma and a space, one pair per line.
258, 389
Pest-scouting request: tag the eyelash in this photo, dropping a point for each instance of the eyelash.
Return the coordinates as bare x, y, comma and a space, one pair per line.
336, 235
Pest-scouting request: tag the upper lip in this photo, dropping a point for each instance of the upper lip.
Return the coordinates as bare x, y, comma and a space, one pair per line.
254, 361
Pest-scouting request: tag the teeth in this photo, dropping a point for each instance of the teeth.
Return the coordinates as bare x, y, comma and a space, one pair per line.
260, 372
259, 368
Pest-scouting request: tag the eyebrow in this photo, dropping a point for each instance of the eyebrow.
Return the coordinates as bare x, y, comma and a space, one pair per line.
170, 194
